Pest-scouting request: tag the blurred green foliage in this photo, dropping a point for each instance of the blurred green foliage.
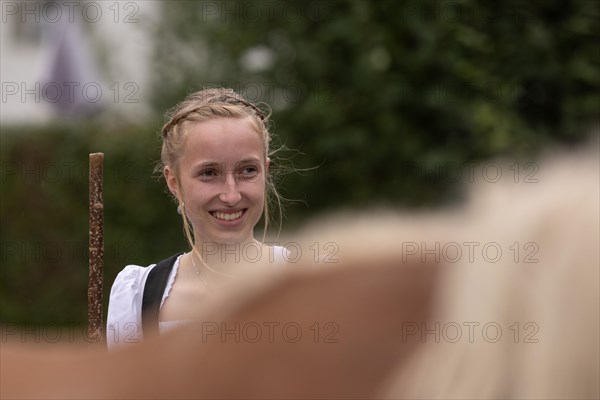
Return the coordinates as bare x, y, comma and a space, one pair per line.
372, 93
366, 89
44, 212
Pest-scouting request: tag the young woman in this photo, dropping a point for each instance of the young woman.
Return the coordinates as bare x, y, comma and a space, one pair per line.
215, 160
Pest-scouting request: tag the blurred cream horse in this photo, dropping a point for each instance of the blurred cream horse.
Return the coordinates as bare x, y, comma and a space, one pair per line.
499, 299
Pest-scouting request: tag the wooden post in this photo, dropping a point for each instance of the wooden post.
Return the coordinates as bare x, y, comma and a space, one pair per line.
96, 248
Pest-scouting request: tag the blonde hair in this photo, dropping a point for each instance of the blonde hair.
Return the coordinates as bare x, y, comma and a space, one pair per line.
545, 299
204, 105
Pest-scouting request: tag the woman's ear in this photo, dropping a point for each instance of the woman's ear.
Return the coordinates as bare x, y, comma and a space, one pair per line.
267, 163
172, 182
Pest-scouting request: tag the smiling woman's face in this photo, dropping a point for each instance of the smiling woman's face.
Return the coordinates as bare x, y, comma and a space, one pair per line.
221, 180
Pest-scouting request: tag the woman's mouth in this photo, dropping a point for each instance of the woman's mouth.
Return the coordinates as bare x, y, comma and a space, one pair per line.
228, 216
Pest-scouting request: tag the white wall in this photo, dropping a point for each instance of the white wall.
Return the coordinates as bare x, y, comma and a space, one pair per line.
102, 50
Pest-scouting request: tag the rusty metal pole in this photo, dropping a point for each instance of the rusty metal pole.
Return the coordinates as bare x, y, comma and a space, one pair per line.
96, 247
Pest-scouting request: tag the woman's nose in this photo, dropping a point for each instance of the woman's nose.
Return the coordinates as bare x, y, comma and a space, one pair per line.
230, 194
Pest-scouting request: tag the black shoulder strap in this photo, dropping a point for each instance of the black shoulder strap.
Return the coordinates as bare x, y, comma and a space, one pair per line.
153, 292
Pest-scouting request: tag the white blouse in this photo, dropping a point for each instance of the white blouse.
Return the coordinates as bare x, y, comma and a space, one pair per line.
124, 319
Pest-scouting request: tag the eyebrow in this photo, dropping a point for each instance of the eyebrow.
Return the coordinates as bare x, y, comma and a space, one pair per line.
212, 164
249, 159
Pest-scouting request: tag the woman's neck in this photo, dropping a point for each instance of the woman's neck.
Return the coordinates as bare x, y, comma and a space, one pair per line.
216, 262
217, 255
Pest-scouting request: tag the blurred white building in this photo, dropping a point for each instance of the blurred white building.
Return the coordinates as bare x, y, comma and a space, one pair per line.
71, 59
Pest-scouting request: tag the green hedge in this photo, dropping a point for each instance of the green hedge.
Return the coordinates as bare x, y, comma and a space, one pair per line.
378, 91
44, 213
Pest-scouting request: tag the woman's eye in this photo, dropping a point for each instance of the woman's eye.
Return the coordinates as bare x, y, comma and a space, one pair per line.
249, 172
207, 174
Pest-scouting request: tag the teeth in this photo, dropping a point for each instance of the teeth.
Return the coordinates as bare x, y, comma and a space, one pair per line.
227, 216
